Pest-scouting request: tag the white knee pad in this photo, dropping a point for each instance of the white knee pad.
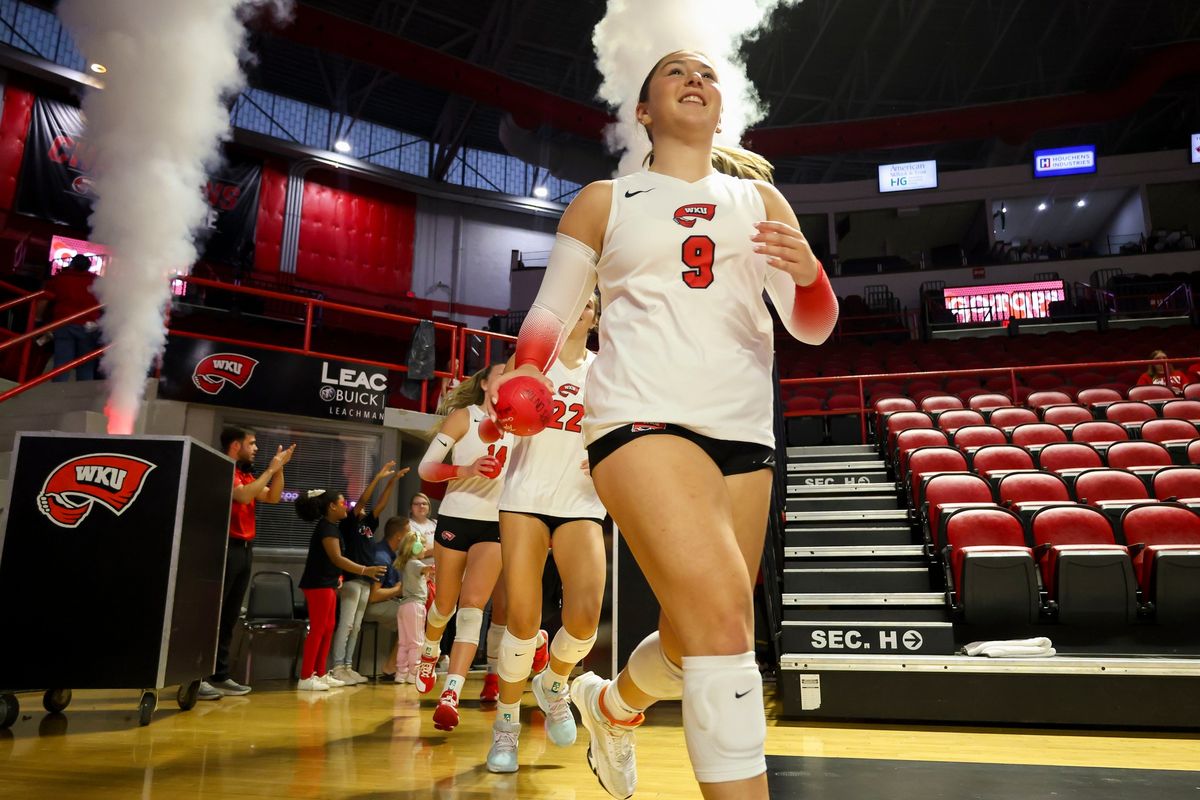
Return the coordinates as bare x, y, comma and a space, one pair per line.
569, 650
436, 618
494, 635
653, 672
470, 622
724, 722
516, 657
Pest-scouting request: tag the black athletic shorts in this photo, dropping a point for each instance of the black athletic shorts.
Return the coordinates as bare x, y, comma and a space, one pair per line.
460, 534
554, 523
732, 458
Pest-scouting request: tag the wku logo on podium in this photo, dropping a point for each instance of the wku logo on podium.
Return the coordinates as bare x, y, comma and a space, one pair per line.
214, 371
75, 486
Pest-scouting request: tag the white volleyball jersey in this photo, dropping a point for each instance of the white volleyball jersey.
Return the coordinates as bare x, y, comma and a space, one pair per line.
544, 475
476, 498
686, 336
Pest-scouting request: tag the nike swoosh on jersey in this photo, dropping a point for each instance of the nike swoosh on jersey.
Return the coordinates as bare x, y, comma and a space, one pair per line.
743, 694
639, 191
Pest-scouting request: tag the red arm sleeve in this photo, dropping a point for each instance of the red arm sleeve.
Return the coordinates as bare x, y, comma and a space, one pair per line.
812, 313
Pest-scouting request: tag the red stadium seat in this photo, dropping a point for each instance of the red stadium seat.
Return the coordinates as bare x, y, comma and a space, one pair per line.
1168, 430
903, 420
925, 461
1042, 399
950, 421
1177, 483
1011, 416
1097, 395
940, 402
957, 386
847, 402
1192, 391
1193, 451
1127, 455
947, 490
911, 439
981, 402
1128, 411
978, 436
1165, 541
1061, 456
1097, 486
1032, 487
1151, 392
1045, 381
991, 566
1098, 432
1062, 415
1086, 573
888, 405
1034, 433
1182, 409
1000, 457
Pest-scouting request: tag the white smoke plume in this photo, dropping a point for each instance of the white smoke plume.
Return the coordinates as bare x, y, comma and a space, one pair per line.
155, 132
635, 34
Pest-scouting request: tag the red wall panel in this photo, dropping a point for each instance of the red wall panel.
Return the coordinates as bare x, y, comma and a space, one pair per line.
268, 230
14, 129
356, 235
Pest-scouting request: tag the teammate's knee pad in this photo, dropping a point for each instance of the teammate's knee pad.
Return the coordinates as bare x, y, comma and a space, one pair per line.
516, 657
724, 722
569, 650
653, 672
494, 635
470, 622
436, 618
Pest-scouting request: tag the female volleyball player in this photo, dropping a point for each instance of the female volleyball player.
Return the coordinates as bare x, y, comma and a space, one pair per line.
549, 494
466, 546
682, 253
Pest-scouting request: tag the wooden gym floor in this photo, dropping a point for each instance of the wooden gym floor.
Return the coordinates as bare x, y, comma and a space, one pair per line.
374, 741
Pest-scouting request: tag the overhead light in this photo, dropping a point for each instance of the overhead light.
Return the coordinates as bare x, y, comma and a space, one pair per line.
1041, 206
541, 192
99, 69
1003, 208
1080, 203
342, 146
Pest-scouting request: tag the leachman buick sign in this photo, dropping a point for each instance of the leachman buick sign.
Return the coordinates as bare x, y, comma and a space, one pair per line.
202, 371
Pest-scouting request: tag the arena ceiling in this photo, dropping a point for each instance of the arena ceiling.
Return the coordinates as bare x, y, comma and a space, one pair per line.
821, 62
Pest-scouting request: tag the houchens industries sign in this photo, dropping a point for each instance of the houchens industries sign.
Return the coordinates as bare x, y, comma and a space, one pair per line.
202, 371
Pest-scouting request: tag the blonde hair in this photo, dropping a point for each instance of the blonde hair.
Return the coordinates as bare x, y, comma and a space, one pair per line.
467, 393
1154, 369
734, 161
404, 552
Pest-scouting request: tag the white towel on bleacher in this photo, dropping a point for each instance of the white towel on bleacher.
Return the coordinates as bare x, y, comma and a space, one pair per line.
1038, 647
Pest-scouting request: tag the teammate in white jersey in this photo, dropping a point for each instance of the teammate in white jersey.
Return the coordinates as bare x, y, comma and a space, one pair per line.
467, 540
548, 496
681, 459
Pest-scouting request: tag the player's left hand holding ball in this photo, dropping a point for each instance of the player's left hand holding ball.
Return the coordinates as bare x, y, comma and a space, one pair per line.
787, 250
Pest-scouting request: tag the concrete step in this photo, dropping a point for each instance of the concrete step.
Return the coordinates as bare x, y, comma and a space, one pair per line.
838, 464
831, 450
843, 490
850, 535
840, 478
856, 580
889, 551
844, 503
868, 516
903, 599
862, 636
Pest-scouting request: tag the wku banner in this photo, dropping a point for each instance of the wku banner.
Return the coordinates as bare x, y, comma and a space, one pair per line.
54, 185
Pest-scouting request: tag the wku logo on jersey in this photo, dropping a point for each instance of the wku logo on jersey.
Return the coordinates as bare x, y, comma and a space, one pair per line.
568, 390
213, 372
687, 215
643, 427
74, 487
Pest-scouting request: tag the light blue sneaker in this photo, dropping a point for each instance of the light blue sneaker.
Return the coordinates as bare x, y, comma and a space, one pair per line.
503, 755
560, 722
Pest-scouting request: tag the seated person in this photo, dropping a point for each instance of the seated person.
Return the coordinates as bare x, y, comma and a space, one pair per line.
384, 599
1174, 379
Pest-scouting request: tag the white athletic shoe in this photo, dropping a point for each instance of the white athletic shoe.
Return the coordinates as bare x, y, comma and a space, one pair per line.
503, 755
342, 674
611, 753
330, 681
355, 676
560, 722
313, 684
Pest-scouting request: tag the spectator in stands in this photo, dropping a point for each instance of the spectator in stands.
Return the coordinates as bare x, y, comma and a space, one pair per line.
358, 536
323, 570
241, 446
384, 600
1174, 379
70, 293
422, 523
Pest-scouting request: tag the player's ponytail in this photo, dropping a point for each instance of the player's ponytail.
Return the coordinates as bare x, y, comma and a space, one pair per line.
467, 393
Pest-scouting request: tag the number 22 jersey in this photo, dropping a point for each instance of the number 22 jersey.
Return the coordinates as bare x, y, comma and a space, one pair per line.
544, 475
686, 337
